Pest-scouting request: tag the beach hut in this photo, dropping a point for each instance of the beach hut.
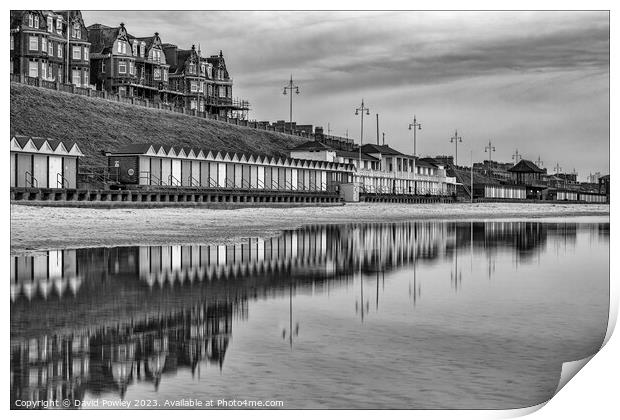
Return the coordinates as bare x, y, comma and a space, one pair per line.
37, 162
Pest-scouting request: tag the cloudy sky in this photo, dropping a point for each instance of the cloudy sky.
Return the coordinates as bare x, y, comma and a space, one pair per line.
533, 81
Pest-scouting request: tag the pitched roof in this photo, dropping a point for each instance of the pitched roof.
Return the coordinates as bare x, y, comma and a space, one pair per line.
526, 166
354, 154
384, 149
136, 148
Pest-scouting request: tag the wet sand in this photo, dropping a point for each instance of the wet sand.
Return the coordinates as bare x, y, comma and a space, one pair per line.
42, 228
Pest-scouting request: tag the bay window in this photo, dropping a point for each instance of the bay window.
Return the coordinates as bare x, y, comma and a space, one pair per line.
33, 43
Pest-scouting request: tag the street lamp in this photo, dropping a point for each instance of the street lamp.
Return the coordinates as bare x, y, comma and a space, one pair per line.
413, 127
290, 87
456, 140
490, 148
360, 111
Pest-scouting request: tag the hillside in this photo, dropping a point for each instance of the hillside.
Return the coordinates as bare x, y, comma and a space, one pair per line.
98, 125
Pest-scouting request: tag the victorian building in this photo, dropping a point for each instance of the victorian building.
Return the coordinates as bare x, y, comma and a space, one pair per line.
50, 45
202, 83
126, 65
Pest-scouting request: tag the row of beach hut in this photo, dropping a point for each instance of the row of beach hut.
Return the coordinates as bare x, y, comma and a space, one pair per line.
153, 165
43, 163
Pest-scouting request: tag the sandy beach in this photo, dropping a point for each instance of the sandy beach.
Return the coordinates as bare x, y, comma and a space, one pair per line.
42, 228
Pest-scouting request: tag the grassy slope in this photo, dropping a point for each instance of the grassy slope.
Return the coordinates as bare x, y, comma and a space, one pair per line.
98, 125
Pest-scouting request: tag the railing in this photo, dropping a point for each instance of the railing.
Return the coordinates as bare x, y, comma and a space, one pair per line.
31, 180
460, 179
240, 105
171, 179
61, 181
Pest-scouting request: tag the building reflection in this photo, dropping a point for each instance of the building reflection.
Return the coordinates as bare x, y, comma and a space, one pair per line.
108, 359
96, 321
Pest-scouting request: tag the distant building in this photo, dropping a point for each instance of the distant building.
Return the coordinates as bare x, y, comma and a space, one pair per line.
129, 66
41, 48
594, 177
382, 170
526, 173
603, 185
202, 83
286, 126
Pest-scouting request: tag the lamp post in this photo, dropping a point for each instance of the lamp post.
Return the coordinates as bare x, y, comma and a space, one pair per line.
413, 126
290, 87
489, 148
516, 156
456, 140
360, 111
539, 162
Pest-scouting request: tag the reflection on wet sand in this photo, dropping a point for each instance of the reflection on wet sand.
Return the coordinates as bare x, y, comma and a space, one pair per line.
100, 320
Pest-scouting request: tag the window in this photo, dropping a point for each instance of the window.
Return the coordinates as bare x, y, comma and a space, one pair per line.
76, 53
122, 67
202, 86
50, 24
33, 69
12, 42
76, 30
30, 20
43, 44
59, 25
60, 48
132, 68
12, 66
136, 48
86, 54
143, 49
36, 22
192, 104
165, 75
222, 92
75, 75
33, 44
43, 71
203, 70
193, 86
192, 68
102, 66
120, 47
156, 74
85, 77
50, 49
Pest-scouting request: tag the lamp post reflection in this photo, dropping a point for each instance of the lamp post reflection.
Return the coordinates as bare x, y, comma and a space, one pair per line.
290, 331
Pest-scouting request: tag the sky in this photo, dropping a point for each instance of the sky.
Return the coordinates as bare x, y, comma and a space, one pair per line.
536, 82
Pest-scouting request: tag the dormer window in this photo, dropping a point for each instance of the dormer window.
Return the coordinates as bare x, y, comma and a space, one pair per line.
50, 24
136, 48
192, 68
76, 31
121, 47
143, 49
31, 20
36, 22
59, 25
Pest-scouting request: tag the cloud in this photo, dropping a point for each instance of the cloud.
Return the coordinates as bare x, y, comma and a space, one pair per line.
522, 78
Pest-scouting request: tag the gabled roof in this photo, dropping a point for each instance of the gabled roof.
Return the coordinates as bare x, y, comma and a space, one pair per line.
526, 166
45, 146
